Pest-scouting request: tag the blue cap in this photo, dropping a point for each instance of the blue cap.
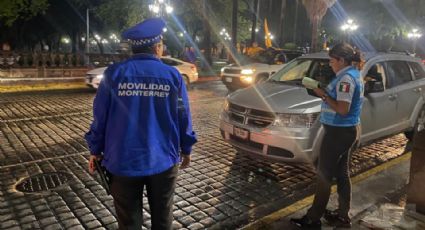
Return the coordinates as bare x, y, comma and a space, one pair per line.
145, 33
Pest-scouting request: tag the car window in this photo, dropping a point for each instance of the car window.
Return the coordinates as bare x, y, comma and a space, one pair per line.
398, 72
294, 70
418, 71
375, 73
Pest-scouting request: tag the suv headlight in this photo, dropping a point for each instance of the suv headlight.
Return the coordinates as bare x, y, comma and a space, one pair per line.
99, 76
247, 71
295, 120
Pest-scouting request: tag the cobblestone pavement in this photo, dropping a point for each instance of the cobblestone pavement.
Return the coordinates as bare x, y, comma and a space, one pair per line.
43, 132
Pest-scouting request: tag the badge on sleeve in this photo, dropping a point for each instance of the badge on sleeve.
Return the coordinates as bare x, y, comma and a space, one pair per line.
344, 87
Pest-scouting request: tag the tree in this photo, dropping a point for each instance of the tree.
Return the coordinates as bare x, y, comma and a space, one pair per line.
316, 10
12, 10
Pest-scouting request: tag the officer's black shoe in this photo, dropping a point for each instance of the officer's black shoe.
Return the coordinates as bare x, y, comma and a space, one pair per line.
306, 223
333, 218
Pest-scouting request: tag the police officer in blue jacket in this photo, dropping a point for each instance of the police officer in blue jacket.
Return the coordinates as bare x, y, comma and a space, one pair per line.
142, 129
340, 118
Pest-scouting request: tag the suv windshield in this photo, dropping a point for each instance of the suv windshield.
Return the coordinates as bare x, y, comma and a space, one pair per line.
270, 56
317, 69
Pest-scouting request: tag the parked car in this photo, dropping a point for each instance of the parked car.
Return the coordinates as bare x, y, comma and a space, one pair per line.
278, 119
186, 69
250, 70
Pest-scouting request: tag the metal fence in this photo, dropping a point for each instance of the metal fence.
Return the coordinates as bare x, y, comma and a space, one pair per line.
53, 60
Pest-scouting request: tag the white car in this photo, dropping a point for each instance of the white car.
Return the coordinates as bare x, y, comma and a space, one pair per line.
251, 70
186, 69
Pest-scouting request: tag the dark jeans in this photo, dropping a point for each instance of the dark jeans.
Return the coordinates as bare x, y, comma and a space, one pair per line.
128, 196
334, 162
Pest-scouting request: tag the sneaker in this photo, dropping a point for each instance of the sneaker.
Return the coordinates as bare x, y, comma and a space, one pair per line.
333, 218
306, 223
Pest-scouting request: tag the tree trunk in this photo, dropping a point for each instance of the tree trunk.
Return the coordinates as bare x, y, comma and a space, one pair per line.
254, 20
281, 22
207, 34
294, 36
235, 22
314, 29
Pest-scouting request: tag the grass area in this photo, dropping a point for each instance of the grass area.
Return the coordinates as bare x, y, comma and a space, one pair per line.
40, 87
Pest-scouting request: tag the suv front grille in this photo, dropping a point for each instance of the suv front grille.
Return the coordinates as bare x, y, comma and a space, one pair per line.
252, 117
232, 71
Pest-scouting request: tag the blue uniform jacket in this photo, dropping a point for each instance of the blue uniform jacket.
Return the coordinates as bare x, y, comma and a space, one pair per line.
141, 118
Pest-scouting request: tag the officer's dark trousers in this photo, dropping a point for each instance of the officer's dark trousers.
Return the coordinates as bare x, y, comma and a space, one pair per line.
128, 194
334, 162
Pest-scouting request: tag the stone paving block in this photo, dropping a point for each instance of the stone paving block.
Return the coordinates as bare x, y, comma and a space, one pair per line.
53, 227
108, 220
27, 219
202, 205
65, 216
179, 214
30, 226
77, 227
5, 217
199, 215
8, 224
187, 220
93, 224
193, 200
47, 221
190, 209
196, 226
71, 223
182, 204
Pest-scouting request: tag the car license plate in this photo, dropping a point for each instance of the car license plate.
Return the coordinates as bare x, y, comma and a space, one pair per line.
228, 79
241, 133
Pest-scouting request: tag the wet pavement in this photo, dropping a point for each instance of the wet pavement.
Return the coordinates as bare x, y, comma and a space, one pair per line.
42, 132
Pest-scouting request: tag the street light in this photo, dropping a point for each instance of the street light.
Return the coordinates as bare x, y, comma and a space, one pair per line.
349, 26
414, 35
160, 6
225, 34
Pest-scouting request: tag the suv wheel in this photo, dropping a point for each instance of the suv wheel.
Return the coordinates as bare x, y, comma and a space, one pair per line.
419, 125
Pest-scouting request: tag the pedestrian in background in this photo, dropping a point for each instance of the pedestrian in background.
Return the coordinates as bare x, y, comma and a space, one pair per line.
142, 129
340, 118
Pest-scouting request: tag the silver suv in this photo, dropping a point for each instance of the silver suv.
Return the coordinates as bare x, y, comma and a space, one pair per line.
278, 119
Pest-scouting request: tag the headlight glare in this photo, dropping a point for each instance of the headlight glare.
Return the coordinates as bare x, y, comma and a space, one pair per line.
247, 79
247, 71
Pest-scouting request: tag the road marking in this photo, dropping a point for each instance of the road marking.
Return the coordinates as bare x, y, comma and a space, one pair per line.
298, 205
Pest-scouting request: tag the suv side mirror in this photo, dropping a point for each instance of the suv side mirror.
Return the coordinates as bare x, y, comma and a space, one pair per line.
373, 87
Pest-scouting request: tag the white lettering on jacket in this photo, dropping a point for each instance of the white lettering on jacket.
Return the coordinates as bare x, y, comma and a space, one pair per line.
129, 89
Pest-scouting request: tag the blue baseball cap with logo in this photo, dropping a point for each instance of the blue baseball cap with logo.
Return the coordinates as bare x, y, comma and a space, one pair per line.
145, 33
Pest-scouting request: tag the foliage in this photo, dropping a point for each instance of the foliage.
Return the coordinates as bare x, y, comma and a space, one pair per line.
12, 10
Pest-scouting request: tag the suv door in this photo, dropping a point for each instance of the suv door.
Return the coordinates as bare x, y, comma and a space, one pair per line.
377, 108
405, 95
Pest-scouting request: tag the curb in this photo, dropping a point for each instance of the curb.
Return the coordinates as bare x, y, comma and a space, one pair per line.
23, 85
268, 220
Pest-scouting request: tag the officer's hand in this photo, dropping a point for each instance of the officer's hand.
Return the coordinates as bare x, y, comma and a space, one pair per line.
319, 92
185, 161
92, 166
